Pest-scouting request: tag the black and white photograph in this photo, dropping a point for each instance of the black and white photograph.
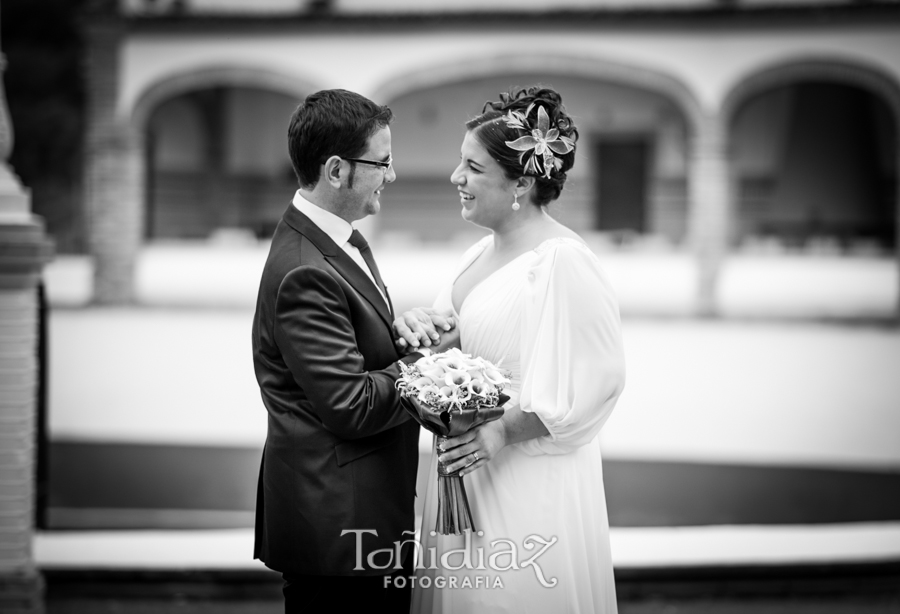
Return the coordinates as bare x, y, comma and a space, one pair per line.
450, 306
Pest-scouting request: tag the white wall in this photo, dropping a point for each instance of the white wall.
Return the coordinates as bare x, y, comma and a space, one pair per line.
439, 6
708, 61
429, 6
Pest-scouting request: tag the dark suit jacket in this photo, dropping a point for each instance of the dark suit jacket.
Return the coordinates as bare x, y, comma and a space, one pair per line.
341, 453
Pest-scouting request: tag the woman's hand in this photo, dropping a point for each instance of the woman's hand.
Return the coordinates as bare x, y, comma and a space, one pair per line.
474, 448
448, 340
421, 326
477, 447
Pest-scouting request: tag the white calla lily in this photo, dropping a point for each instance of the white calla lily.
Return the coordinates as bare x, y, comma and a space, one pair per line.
477, 388
421, 382
435, 373
495, 377
457, 378
427, 392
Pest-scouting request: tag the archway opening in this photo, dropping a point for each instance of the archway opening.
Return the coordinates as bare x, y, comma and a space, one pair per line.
628, 183
815, 166
217, 161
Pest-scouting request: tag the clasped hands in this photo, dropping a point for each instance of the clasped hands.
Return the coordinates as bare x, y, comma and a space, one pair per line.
425, 327
437, 330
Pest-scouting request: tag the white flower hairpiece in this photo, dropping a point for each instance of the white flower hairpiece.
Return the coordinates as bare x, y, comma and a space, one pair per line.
543, 142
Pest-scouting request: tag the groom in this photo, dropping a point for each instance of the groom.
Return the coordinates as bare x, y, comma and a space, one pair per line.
341, 454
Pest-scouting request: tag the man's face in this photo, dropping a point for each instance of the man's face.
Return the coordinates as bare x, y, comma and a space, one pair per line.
363, 196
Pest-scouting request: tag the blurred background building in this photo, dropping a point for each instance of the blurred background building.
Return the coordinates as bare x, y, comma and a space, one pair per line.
737, 173
707, 125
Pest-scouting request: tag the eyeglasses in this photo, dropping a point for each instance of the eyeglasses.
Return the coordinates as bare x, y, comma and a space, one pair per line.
384, 165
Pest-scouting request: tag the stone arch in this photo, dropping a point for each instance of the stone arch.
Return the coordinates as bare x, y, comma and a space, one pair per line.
834, 70
632, 75
116, 155
840, 71
161, 222
866, 76
506, 68
210, 76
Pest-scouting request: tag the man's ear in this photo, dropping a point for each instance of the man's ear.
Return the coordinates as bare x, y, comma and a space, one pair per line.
333, 171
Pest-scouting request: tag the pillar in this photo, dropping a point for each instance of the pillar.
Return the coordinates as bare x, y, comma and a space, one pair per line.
24, 248
897, 209
709, 195
114, 173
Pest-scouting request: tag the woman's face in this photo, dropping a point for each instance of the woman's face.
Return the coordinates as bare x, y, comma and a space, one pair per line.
485, 192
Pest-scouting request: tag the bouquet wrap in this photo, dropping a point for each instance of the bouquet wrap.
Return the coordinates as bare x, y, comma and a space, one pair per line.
449, 394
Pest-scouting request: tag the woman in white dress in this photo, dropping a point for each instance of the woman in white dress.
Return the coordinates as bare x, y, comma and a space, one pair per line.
532, 296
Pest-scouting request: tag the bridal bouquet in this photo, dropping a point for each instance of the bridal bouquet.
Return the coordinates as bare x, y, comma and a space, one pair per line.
450, 393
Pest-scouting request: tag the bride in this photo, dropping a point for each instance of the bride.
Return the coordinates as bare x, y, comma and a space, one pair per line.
533, 296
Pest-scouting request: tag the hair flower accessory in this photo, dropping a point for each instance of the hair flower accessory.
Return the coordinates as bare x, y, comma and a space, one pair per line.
543, 141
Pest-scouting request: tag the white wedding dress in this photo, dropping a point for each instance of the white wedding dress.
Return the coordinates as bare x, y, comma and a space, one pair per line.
551, 317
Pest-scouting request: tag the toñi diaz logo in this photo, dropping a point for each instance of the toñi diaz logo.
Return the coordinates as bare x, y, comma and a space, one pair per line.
503, 556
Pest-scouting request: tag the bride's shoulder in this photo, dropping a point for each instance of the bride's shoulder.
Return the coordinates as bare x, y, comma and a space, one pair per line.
482, 244
558, 242
570, 267
565, 246
568, 256
556, 236
474, 251
484, 241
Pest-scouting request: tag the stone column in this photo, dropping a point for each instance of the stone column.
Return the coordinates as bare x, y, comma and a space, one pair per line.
114, 174
709, 197
897, 213
24, 248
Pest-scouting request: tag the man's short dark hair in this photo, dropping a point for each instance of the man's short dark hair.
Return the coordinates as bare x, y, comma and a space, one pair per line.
331, 123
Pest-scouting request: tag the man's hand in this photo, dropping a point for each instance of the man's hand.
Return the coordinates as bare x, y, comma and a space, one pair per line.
423, 327
448, 340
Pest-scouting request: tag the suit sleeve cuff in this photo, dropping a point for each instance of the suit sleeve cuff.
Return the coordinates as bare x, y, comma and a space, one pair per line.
413, 357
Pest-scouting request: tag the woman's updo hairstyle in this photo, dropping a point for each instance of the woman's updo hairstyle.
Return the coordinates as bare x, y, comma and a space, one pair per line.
494, 131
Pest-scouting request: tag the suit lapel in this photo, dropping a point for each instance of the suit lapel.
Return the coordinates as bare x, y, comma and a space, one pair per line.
339, 259
345, 265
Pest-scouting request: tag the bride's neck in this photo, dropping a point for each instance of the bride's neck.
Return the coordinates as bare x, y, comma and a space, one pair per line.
522, 230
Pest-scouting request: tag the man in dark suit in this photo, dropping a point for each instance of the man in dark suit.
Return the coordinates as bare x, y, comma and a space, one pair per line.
338, 474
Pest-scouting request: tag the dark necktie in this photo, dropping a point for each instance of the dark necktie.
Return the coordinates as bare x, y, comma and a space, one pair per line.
359, 242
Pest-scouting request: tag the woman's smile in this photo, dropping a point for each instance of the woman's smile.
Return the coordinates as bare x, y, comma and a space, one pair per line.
484, 191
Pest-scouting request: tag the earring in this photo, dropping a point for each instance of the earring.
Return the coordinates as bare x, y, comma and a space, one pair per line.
515, 205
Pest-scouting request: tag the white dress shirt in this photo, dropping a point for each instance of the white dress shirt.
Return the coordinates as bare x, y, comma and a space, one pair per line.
338, 229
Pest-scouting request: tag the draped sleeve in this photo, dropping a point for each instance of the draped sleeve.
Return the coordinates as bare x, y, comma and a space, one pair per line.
573, 363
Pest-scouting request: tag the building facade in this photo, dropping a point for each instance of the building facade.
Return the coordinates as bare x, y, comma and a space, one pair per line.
706, 126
